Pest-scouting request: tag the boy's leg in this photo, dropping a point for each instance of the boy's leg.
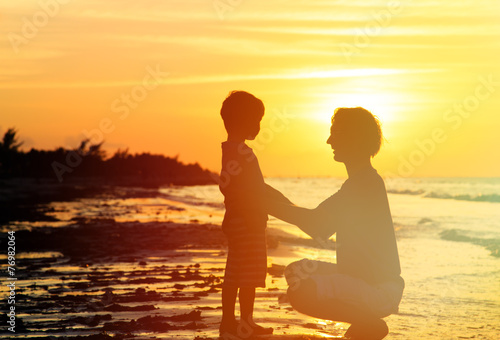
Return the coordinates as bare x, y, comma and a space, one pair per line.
247, 325
247, 299
228, 323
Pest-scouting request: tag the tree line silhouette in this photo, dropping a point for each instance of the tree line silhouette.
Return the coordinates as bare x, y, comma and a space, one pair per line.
91, 161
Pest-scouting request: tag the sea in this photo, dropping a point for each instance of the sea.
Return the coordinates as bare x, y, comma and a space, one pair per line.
447, 229
448, 234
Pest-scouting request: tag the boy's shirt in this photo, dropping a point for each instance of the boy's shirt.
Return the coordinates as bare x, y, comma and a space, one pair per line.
243, 186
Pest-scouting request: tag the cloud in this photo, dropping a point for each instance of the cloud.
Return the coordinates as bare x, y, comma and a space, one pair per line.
296, 74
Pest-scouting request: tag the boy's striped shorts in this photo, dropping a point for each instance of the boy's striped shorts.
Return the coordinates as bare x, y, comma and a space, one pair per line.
246, 264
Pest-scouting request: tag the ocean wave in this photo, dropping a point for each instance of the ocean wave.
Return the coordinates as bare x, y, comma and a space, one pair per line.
190, 199
405, 192
425, 220
492, 244
493, 198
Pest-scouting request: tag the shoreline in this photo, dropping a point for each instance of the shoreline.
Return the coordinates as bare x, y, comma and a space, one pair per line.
141, 260
169, 290
99, 278
23, 198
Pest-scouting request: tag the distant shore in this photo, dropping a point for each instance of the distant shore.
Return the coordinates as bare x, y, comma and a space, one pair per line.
21, 197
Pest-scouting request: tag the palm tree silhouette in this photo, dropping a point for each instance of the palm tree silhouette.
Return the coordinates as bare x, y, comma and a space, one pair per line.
10, 142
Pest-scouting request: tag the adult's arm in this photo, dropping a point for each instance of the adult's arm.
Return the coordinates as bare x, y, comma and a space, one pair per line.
274, 196
319, 223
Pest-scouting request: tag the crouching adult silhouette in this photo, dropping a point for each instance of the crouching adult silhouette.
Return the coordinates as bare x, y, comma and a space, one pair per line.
365, 283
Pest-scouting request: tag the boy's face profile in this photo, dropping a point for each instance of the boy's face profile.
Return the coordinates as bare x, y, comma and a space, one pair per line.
253, 128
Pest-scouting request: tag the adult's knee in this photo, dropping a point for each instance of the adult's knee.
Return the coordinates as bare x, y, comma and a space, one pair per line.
299, 270
302, 296
290, 271
295, 298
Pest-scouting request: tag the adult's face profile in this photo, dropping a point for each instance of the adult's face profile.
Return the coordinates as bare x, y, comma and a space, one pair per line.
355, 134
344, 144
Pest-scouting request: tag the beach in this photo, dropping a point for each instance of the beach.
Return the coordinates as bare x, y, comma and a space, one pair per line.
147, 263
122, 121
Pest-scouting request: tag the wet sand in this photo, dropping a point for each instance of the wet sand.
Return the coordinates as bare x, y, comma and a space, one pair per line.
97, 278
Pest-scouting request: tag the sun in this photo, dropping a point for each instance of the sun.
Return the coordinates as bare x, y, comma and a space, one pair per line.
379, 104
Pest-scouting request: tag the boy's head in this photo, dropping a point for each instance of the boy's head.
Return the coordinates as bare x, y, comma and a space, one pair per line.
242, 113
354, 132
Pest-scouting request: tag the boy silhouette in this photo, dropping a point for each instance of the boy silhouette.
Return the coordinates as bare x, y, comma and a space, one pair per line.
245, 219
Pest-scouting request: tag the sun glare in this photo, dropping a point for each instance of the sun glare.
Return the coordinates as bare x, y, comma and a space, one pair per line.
380, 104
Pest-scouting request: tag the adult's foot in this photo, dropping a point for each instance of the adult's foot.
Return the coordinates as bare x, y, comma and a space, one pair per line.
375, 329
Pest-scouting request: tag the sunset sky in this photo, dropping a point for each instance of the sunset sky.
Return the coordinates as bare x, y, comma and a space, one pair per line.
151, 75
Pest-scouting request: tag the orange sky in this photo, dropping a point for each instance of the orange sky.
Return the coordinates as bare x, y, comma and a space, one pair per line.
151, 76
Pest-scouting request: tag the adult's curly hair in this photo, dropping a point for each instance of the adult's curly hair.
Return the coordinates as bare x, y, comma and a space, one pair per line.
360, 126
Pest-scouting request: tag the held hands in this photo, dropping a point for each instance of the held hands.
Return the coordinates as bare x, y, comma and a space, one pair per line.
275, 203
314, 222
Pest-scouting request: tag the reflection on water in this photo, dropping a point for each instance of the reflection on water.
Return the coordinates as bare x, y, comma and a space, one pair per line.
451, 290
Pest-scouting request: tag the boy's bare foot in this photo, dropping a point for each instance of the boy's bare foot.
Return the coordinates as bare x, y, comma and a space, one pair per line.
375, 329
256, 329
259, 330
228, 328
247, 330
